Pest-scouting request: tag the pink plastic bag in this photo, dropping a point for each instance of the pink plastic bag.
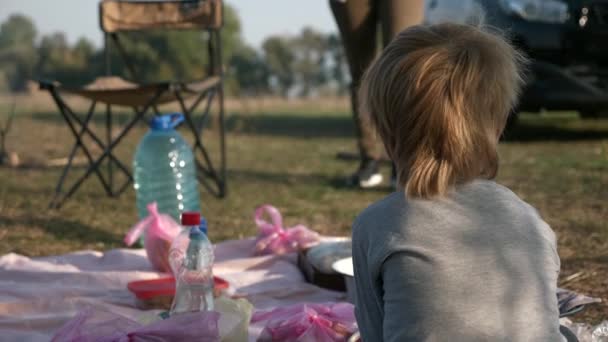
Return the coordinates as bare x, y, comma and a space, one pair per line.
331, 322
104, 326
160, 230
274, 239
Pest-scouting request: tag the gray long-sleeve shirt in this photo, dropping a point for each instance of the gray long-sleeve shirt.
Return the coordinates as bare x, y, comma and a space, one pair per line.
476, 265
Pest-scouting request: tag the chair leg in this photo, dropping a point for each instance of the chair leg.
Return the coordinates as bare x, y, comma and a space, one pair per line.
78, 135
69, 112
107, 153
111, 157
108, 142
207, 168
75, 147
102, 145
64, 173
222, 124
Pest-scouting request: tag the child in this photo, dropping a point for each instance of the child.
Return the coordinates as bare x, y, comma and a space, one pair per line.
454, 256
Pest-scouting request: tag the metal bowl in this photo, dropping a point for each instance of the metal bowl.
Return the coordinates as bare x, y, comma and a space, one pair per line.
324, 255
345, 268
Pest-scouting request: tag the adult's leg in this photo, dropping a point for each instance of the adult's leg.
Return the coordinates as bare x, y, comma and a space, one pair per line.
357, 22
397, 15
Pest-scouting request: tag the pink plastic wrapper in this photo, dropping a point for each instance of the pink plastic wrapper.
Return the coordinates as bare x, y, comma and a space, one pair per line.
104, 326
160, 230
274, 239
330, 322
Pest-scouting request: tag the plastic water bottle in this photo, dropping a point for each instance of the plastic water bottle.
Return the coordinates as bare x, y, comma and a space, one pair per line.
191, 259
165, 170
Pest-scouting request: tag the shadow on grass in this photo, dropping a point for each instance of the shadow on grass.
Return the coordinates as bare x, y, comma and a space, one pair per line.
600, 259
276, 124
277, 177
549, 131
62, 229
305, 125
292, 125
99, 117
533, 128
333, 181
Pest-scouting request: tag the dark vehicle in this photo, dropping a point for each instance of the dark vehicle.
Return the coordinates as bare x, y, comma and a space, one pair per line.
567, 41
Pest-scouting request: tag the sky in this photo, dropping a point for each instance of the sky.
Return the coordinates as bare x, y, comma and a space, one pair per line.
259, 18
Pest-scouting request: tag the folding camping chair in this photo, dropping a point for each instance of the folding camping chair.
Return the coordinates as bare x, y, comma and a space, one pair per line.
134, 15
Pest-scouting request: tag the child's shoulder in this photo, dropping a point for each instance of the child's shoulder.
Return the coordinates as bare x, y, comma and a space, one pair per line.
391, 223
387, 216
382, 209
500, 195
377, 226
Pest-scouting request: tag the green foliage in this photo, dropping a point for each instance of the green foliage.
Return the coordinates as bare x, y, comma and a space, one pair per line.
310, 47
17, 30
232, 40
305, 62
59, 61
280, 59
17, 52
337, 67
4, 83
249, 71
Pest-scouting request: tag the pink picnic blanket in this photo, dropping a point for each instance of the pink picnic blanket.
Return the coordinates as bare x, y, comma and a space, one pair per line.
38, 295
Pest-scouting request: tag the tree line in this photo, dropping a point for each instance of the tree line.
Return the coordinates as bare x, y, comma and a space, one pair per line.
304, 64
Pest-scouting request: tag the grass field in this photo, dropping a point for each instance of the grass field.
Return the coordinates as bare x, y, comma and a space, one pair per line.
285, 155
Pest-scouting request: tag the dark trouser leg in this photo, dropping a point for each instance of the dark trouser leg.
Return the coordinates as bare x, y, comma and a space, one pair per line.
357, 22
397, 15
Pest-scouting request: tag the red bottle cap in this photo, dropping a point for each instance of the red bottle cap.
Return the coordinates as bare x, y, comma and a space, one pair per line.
191, 218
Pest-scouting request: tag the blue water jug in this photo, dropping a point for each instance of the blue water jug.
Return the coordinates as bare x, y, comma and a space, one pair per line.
165, 170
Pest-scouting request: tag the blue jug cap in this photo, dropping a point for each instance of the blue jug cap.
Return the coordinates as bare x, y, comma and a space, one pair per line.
166, 122
203, 226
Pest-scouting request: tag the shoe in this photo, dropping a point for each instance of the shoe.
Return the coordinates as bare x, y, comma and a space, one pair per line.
367, 176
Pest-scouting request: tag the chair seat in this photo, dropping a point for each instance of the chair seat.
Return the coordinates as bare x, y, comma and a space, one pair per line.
118, 91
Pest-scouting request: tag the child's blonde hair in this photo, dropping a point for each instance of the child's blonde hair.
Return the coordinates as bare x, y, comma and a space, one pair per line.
439, 97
